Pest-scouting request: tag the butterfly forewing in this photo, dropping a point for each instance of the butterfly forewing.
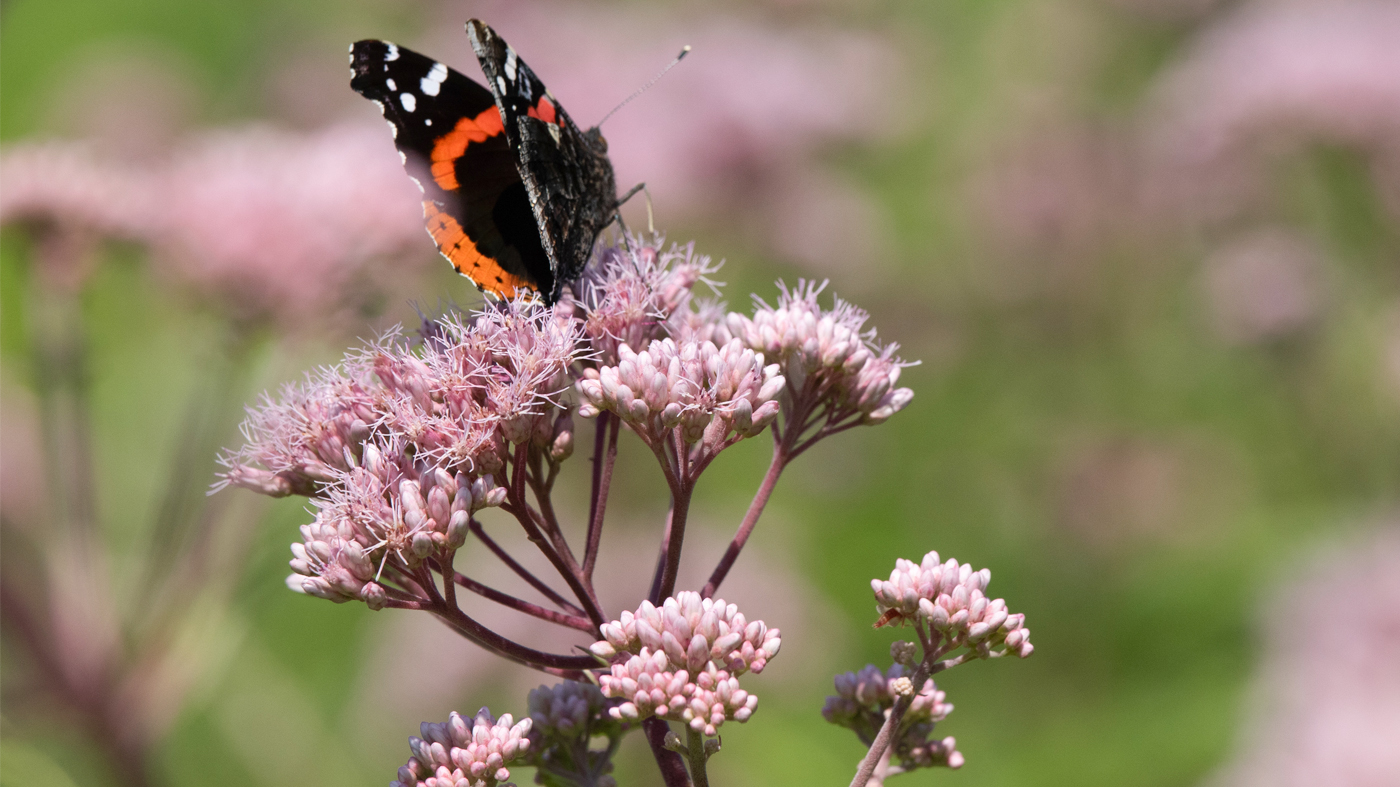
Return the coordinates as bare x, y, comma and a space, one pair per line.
451, 137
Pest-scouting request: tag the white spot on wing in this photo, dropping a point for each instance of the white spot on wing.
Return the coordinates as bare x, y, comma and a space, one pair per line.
553, 132
392, 84
409, 101
432, 83
393, 53
427, 121
510, 64
500, 86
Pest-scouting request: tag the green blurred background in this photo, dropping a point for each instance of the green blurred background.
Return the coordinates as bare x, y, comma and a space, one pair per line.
1102, 415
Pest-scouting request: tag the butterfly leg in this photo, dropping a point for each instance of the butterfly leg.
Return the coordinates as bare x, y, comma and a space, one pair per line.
632, 192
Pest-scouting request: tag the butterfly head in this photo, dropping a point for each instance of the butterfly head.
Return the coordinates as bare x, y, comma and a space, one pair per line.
595, 140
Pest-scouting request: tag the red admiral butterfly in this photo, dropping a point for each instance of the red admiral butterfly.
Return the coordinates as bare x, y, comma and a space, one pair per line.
514, 194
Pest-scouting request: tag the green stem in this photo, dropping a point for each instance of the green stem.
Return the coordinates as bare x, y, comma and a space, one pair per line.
695, 750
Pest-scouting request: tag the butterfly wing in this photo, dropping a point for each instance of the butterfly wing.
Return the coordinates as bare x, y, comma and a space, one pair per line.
566, 171
449, 133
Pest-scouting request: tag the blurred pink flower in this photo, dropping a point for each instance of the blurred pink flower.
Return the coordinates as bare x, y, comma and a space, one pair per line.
1046, 204
1277, 72
69, 183
271, 223
1327, 711
282, 222
1264, 285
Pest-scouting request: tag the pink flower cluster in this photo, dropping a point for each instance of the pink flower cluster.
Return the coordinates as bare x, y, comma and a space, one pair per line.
398, 447
457, 753
273, 223
635, 294
706, 391
826, 354
949, 598
682, 661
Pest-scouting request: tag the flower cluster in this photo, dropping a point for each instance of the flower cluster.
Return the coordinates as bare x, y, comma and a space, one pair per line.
568, 708
458, 753
398, 446
567, 716
828, 356
636, 293
949, 598
682, 661
311, 211
863, 698
707, 392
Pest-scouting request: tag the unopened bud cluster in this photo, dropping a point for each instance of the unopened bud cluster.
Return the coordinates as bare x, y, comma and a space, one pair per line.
706, 391
462, 753
949, 598
863, 698
567, 716
872, 691
682, 661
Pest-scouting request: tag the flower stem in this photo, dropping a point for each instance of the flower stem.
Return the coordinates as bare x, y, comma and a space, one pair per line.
674, 541
604, 459
884, 740
522, 572
505, 599
670, 764
570, 667
562, 559
741, 537
695, 747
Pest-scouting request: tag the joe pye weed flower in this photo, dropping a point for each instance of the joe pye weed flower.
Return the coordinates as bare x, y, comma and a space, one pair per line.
418, 445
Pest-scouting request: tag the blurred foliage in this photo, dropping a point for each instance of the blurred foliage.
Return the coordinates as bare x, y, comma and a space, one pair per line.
1144, 634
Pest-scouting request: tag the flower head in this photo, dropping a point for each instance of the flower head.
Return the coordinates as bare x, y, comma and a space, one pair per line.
462, 753
398, 446
273, 224
949, 598
863, 698
567, 716
830, 359
708, 392
633, 291
682, 661
872, 691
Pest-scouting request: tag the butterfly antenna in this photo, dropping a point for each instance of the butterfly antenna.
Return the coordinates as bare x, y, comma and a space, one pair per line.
685, 50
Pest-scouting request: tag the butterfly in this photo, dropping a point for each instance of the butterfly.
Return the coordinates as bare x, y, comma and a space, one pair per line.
514, 193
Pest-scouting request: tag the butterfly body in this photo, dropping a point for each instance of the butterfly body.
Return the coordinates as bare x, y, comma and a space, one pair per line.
514, 193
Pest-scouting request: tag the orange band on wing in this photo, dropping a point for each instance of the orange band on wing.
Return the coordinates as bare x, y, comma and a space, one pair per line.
450, 146
459, 250
543, 110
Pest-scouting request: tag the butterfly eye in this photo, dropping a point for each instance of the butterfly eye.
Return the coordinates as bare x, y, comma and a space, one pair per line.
596, 140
